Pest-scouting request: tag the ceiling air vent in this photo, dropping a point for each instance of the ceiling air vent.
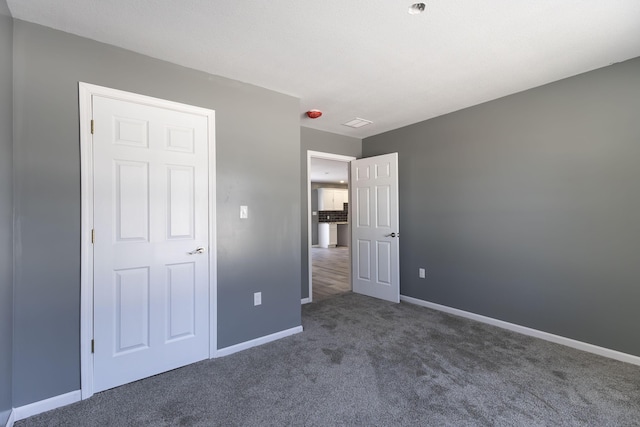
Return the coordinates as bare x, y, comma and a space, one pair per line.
357, 123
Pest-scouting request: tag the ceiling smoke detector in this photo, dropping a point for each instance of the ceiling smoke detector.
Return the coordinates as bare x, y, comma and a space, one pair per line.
416, 8
314, 114
357, 123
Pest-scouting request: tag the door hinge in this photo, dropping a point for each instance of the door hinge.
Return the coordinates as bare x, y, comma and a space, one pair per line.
92, 127
92, 346
93, 235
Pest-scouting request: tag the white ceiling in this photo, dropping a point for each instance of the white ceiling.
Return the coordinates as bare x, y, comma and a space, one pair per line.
329, 171
364, 58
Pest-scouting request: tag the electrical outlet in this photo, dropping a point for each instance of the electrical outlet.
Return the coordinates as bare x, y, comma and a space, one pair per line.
257, 298
422, 273
244, 212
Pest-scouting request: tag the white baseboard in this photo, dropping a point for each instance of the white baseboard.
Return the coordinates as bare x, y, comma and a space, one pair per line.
36, 408
601, 351
305, 301
256, 342
11, 419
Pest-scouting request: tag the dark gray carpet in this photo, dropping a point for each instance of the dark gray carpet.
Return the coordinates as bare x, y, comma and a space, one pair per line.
365, 362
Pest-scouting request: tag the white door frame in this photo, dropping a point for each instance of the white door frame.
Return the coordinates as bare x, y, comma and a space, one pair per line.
86, 91
327, 156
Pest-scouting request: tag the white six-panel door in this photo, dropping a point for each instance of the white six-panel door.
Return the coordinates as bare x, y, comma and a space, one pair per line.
374, 227
151, 285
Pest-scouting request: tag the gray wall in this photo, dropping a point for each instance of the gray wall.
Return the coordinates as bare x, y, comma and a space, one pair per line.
526, 208
315, 140
6, 211
258, 164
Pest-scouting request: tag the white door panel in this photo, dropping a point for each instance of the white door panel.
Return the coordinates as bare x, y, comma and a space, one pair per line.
131, 287
151, 296
181, 301
375, 228
131, 201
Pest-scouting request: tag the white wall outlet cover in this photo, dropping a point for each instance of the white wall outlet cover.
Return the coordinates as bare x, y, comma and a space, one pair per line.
244, 212
314, 213
421, 273
257, 298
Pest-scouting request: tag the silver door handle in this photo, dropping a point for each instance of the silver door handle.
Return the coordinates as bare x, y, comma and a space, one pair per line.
393, 235
198, 250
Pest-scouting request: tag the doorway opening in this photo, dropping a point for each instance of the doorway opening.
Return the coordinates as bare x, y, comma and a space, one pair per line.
329, 225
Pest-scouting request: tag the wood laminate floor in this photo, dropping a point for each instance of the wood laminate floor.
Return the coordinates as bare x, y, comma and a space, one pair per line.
330, 272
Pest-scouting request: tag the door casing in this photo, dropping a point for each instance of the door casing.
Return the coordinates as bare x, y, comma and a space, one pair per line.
86, 92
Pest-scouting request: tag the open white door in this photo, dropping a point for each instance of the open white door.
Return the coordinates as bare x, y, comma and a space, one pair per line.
374, 227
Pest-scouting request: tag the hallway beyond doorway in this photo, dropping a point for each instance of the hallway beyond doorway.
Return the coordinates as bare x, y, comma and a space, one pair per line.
330, 272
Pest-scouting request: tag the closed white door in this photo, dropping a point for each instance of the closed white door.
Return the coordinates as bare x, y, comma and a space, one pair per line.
375, 232
151, 287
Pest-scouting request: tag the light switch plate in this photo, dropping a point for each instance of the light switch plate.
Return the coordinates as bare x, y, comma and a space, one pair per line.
257, 298
244, 212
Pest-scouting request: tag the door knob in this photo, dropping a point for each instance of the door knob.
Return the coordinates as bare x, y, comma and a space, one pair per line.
197, 250
393, 235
